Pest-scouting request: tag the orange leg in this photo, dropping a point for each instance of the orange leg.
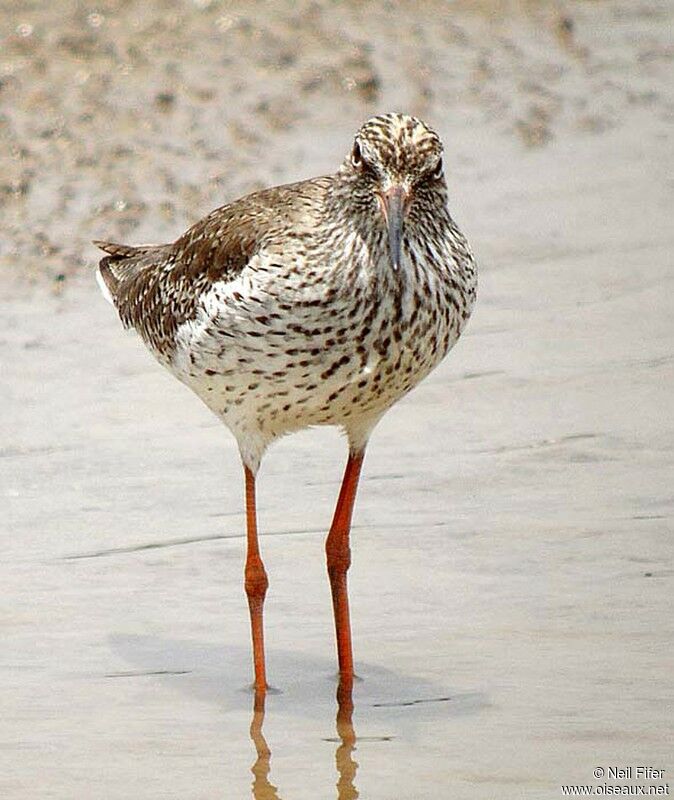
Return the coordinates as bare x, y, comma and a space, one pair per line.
338, 555
256, 584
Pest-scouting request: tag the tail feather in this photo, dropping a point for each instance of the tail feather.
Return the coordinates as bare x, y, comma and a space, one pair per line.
123, 261
121, 250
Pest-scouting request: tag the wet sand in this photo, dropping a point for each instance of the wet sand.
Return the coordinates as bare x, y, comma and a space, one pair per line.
513, 560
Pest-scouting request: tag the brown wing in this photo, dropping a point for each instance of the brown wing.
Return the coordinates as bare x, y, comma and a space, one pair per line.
156, 288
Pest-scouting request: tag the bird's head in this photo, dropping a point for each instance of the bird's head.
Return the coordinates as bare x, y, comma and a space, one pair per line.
393, 169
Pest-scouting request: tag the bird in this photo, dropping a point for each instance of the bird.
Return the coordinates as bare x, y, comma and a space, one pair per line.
316, 303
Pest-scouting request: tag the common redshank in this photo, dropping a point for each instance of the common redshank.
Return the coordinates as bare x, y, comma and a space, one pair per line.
321, 302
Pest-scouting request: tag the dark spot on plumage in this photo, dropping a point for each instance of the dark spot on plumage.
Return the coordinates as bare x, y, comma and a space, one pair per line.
332, 369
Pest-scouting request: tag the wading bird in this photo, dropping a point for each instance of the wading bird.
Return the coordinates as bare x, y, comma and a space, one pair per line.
316, 303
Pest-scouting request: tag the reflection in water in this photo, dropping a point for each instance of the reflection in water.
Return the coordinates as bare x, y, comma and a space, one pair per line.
263, 789
346, 766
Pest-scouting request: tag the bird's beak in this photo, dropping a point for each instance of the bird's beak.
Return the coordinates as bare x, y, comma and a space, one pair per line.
395, 202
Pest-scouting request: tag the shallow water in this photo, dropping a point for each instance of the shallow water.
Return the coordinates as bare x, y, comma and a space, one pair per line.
511, 586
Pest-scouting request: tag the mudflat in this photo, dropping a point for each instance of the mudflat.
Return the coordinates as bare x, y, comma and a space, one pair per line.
512, 571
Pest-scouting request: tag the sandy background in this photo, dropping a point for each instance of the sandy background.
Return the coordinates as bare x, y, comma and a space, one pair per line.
513, 558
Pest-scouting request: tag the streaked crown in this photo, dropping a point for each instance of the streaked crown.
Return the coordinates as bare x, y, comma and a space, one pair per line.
398, 146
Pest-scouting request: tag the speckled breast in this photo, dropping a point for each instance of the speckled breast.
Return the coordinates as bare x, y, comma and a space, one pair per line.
286, 358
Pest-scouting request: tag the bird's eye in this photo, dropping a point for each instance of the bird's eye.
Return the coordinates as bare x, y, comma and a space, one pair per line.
360, 163
436, 172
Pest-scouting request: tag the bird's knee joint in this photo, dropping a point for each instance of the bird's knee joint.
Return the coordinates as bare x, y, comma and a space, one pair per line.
256, 581
339, 563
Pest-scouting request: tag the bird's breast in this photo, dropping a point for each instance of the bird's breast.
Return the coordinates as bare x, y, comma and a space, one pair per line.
283, 352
